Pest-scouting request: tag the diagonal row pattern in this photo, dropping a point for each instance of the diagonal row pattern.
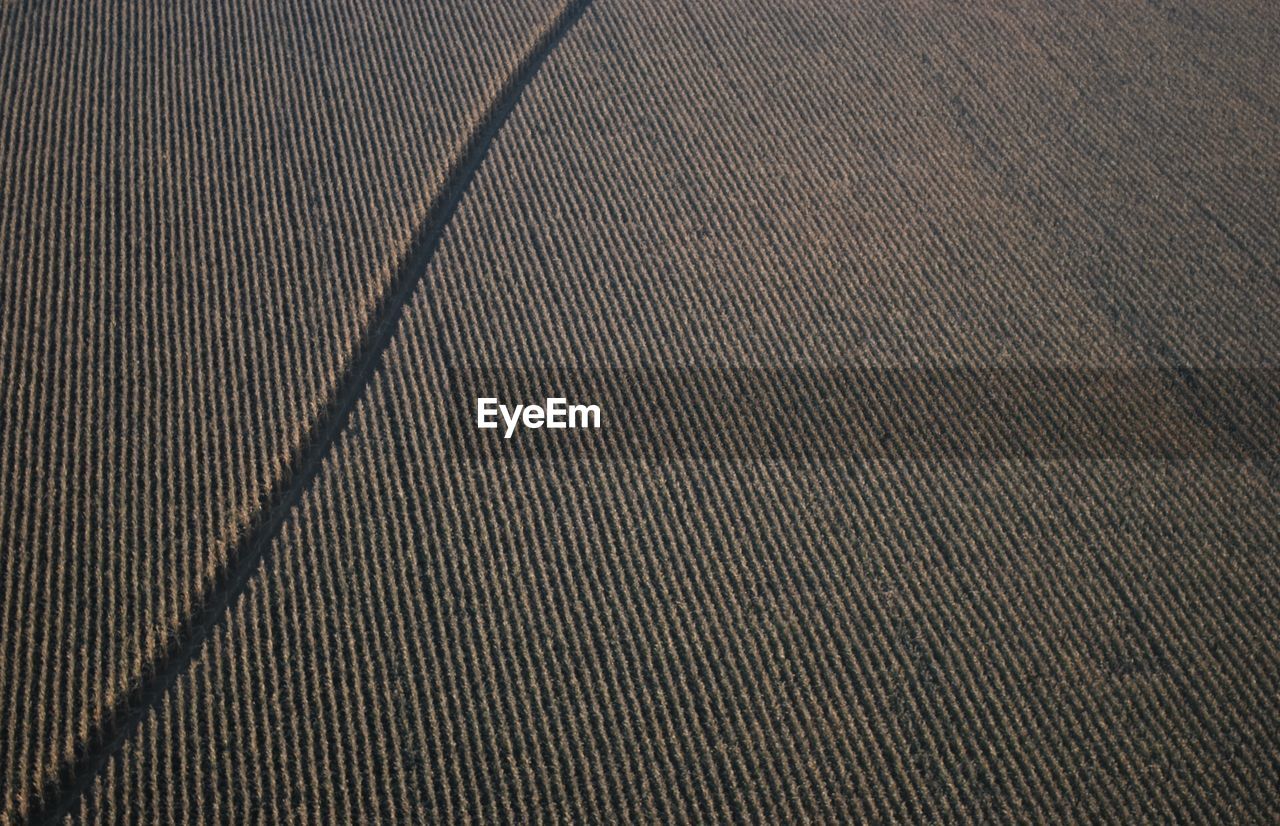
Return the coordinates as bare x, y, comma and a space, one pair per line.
441, 635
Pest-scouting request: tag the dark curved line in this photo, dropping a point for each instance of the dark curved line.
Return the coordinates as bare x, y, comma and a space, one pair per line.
110, 734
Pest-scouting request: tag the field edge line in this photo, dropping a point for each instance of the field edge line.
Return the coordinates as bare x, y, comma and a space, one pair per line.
74, 777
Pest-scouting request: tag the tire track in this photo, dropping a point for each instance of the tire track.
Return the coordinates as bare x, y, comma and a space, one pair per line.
111, 733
